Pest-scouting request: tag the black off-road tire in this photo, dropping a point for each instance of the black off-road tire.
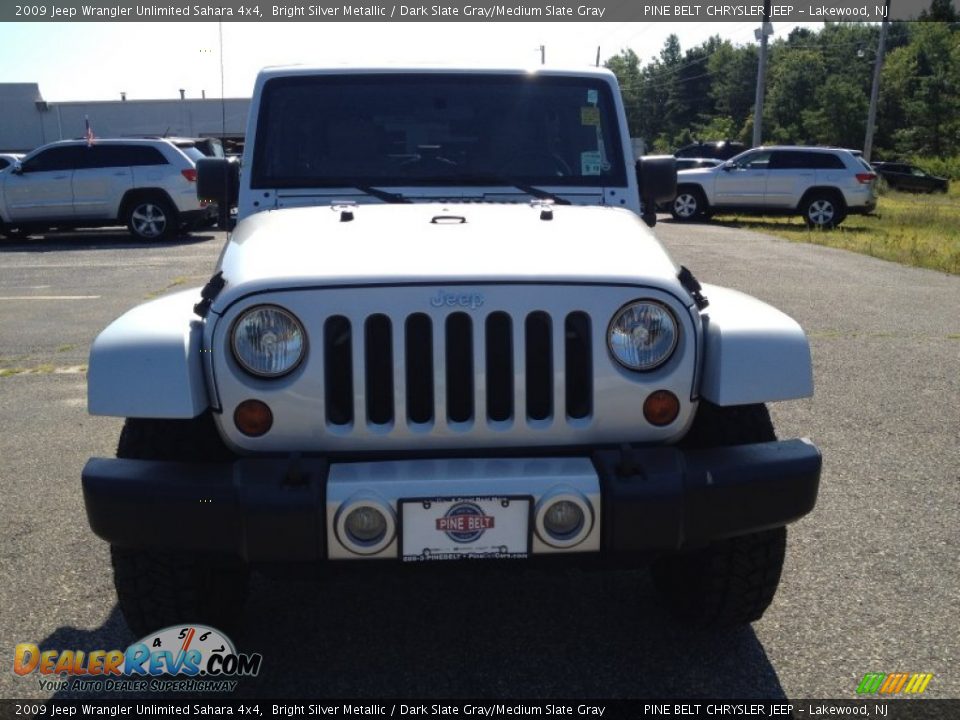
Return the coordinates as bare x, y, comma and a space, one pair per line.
159, 589
733, 581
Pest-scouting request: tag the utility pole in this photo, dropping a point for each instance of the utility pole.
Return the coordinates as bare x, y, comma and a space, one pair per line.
875, 88
598, 56
543, 54
765, 31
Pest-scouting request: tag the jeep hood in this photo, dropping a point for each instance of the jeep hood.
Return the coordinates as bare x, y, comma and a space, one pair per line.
381, 244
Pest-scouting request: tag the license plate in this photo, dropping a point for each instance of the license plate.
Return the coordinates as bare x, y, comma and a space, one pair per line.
463, 528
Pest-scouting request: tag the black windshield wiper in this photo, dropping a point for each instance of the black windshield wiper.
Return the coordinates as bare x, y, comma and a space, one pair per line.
538, 193
387, 197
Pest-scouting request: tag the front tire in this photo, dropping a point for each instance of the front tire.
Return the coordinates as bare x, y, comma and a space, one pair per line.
151, 218
823, 211
731, 582
689, 204
157, 589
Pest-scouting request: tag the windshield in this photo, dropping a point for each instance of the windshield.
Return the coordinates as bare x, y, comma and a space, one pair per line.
437, 129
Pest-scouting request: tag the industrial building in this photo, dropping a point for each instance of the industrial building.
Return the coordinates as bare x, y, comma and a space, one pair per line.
28, 121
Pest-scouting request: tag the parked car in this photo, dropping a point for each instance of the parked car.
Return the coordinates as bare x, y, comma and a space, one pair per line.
823, 185
8, 159
206, 146
716, 149
440, 334
147, 185
910, 178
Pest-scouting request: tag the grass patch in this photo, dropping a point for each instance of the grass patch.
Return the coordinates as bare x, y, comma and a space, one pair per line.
918, 230
44, 369
65, 348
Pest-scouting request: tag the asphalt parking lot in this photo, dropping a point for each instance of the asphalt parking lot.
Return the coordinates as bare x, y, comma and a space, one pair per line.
871, 584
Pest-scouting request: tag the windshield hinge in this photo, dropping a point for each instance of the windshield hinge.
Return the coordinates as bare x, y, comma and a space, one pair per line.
209, 293
691, 285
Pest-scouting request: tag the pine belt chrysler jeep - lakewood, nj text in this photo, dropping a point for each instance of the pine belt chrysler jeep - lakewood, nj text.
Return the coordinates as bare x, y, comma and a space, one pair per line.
442, 331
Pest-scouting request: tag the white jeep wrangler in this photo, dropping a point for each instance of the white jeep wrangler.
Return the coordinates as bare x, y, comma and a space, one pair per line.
442, 332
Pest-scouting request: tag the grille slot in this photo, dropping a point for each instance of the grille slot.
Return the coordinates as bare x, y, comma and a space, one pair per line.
539, 358
419, 369
338, 370
579, 365
499, 366
378, 363
459, 345
419, 357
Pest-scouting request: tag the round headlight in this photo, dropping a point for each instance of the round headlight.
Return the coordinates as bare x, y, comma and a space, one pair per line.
268, 341
642, 335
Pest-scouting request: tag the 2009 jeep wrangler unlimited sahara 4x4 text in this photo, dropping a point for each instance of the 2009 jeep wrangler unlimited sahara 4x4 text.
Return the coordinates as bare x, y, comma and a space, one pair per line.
442, 331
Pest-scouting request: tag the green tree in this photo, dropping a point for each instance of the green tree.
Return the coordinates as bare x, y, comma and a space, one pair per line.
795, 82
839, 115
922, 82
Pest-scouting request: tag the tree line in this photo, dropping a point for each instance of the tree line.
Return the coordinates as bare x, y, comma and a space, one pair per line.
817, 89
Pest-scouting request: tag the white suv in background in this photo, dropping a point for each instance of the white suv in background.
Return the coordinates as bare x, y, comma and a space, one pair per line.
823, 185
147, 185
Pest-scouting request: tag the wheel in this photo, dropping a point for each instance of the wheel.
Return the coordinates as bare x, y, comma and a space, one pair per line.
823, 210
158, 589
688, 204
733, 581
151, 218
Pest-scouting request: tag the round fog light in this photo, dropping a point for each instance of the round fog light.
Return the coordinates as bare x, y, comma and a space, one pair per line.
563, 519
366, 525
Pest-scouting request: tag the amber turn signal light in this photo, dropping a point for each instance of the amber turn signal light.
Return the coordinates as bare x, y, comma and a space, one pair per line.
253, 418
661, 408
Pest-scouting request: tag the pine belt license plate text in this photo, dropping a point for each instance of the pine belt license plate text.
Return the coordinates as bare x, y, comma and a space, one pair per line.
467, 527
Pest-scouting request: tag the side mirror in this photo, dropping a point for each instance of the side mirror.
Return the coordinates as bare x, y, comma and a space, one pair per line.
657, 180
218, 180
17, 169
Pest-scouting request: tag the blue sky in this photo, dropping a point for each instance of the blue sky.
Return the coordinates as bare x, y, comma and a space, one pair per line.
96, 61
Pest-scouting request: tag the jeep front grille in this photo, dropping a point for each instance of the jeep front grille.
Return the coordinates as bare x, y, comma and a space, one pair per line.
497, 367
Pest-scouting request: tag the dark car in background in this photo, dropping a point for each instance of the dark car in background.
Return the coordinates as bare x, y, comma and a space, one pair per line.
910, 178
716, 149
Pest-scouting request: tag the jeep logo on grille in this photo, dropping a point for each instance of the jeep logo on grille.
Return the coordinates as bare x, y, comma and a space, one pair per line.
449, 299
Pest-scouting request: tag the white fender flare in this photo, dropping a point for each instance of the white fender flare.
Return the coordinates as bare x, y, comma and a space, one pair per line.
753, 353
147, 362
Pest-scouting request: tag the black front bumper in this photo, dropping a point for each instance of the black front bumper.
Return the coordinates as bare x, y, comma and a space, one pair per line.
273, 509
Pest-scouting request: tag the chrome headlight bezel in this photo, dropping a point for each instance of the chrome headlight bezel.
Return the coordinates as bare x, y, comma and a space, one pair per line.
238, 355
665, 356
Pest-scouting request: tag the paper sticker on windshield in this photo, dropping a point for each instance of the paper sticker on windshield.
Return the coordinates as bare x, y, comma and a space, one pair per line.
589, 115
592, 97
590, 162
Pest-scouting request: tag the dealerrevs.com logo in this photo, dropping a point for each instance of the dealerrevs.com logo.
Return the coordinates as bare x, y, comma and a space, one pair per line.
180, 658
894, 683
